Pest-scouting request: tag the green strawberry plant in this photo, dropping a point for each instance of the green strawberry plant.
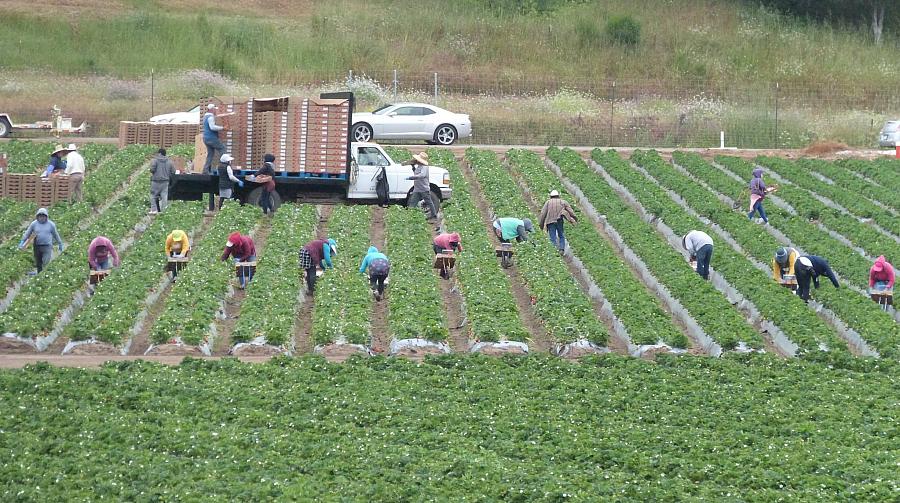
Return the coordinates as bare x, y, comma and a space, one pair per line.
883, 172
415, 307
270, 308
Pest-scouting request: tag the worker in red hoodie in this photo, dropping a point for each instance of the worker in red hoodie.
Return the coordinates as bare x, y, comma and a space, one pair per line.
100, 251
241, 249
881, 275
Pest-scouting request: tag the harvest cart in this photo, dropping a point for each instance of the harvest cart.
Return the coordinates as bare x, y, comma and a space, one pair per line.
883, 298
176, 264
97, 276
789, 281
505, 252
445, 261
244, 271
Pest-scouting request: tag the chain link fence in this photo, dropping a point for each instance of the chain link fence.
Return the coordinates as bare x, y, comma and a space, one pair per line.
517, 110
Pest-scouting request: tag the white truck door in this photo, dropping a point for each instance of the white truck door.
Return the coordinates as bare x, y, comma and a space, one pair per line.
369, 159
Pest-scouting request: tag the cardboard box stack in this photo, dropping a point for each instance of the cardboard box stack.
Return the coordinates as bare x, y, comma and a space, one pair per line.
161, 135
323, 136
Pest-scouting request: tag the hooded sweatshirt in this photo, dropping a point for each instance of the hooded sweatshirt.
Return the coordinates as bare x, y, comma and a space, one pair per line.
885, 274
320, 251
757, 185
44, 233
372, 255
177, 236
97, 253
444, 240
241, 247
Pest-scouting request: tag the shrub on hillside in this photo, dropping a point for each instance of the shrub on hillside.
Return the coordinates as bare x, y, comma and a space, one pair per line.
624, 30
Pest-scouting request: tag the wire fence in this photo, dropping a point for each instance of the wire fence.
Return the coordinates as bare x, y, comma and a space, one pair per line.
521, 110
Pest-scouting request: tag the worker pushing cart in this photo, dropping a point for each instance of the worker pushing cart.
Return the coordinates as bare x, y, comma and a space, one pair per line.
783, 267
178, 247
445, 246
506, 229
243, 251
881, 282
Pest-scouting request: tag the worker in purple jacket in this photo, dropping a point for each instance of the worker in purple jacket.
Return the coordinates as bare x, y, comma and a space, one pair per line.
757, 194
317, 252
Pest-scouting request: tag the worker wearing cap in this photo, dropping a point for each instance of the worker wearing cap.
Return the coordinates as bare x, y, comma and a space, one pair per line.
421, 185
75, 170
316, 253
881, 275
100, 251
177, 244
553, 214
379, 267
509, 228
44, 231
783, 263
810, 267
700, 247
56, 164
214, 146
226, 179
241, 249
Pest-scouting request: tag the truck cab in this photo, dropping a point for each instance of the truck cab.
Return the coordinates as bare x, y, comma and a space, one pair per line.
369, 158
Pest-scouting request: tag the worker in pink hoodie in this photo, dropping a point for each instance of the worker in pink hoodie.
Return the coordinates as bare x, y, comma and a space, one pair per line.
241, 249
100, 251
881, 275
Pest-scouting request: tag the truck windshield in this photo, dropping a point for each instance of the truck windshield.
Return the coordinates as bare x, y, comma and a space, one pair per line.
371, 156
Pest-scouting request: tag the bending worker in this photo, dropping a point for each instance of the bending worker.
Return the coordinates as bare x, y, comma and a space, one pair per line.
808, 268
99, 253
379, 268
508, 228
700, 247
783, 263
57, 164
177, 244
44, 231
554, 213
314, 254
241, 249
446, 241
881, 275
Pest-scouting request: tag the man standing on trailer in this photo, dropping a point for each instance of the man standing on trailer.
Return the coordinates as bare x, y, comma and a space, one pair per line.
808, 268
554, 213
75, 170
214, 146
421, 185
700, 247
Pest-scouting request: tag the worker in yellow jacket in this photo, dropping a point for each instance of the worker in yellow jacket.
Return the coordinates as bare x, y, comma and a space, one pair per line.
783, 263
177, 244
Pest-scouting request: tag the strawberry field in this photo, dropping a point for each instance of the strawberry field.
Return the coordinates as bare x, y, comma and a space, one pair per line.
644, 382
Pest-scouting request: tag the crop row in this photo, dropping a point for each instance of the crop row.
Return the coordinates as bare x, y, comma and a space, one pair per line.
119, 299
270, 308
714, 314
773, 301
857, 311
343, 301
196, 298
491, 310
640, 312
797, 173
843, 178
13, 215
415, 305
882, 171
33, 157
844, 259
34, 311
562, 306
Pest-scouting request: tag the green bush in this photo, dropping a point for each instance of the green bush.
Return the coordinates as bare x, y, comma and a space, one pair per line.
624, 30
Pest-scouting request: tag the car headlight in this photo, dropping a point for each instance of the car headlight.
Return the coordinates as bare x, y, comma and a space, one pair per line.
447, 179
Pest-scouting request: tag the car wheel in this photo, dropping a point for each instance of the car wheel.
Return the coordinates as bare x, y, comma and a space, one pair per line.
445, 134
5, 128
362, 132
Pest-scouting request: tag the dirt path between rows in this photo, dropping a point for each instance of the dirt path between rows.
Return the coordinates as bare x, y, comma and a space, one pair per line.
224, 326
539, 339
303, 340
381, 336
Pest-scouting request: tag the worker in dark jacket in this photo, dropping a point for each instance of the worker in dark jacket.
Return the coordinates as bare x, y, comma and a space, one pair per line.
161, 171
268, 184
314, 254
241, 249
810, 267
379, 267
226, 179
44, 231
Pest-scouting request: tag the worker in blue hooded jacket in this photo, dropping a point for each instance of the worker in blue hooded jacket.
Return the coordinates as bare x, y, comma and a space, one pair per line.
379, 267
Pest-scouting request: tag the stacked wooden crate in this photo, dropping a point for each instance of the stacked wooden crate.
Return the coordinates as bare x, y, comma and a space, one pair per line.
161, 135
33, 188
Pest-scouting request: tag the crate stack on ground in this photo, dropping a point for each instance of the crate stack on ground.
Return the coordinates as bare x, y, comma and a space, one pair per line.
161, 135
32, 188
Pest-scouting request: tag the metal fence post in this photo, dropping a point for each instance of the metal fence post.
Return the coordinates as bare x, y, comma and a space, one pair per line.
776, 116
152, 94
349, 77
435, 88
612, 107
395, 84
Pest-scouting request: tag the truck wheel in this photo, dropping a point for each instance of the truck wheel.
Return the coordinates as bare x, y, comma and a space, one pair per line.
445, 134
255, 194
362, 132
5, 127
436, 199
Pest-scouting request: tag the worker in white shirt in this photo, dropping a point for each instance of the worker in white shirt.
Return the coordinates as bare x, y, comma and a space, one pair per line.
700, 246
75, 170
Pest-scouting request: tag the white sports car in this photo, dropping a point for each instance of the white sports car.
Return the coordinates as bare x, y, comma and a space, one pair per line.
192, 116
411, 121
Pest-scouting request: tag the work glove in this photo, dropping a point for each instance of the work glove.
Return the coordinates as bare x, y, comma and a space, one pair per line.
60, 247
240, 184
22, 244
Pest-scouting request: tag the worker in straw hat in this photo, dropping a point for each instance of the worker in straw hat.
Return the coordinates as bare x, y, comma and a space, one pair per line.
810, 267
783, 263
75, 170
554, 213
57, 164
421, 186
214, 146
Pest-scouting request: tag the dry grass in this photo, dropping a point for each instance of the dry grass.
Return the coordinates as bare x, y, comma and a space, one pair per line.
826, 147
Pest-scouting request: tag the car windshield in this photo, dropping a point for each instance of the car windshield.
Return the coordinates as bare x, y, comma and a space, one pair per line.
380, 110
195, 109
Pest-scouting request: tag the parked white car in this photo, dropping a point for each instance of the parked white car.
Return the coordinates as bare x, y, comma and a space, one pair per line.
192, 116
411, 121
889, 134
